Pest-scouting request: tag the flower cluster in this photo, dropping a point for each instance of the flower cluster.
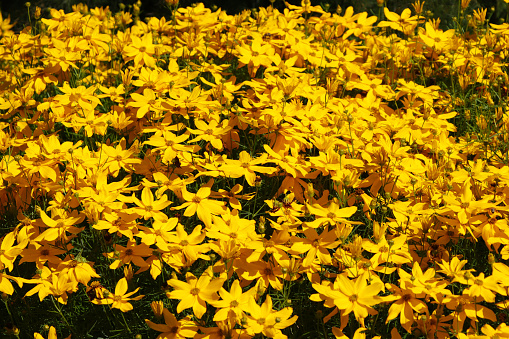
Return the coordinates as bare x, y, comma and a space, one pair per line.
255, 166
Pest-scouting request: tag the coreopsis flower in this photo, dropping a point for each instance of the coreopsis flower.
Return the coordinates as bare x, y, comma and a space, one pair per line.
52, 334
160, 233
59, 224
405, 22
263, 319
256, 54
196, 292
90, 122
5, 26
60, 60
141, 50
413, 90
330, 215
351, 296
479, 17
265, 272
81, 96
120, 299
40, 254
230, 226
465, 306
393, 250
40, 78
119, 157
9, 252
57, 284
233, 304
131, 253
149, 207
118, 222
485, 287
224, 330
404, 303
466, 205
437, 39
6, 285
276, 246
246, 166
233, 196
79, 269
173, 328
374, 86
196, 100
453, 269
191, 246
200, 204
157, 308
211, 132
170, 145
316, 245
148, 102
118, 118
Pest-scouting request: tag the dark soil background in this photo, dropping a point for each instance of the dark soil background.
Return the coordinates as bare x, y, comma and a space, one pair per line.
445, 9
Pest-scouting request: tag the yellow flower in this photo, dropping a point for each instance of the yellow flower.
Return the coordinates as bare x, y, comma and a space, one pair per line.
148, 207
233, 304
195, 293
52, 334
435, 38
148, 102
141, 50
351, 296
211, 132
173, 328
247, 166
405, 302
330, 215
120, 299
405, 22
316, 246
202, 206
263, 319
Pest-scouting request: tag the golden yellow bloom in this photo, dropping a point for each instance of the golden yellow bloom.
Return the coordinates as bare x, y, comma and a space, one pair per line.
195, 293
120, 299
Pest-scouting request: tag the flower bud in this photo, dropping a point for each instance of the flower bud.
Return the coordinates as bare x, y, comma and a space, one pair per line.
157, 308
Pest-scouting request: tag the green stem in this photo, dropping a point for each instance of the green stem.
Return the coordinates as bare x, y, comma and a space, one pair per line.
125, 322
61, 314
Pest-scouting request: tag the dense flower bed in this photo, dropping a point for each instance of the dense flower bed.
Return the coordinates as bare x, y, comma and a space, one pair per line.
295, 173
